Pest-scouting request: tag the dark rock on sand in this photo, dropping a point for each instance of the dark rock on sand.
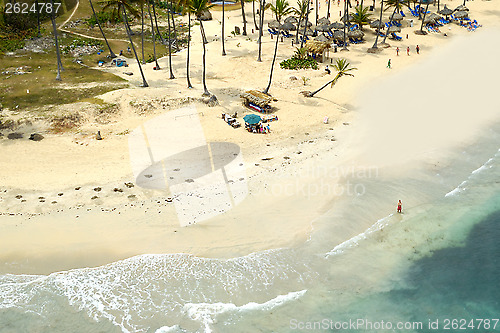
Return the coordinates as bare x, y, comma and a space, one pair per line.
94, 197
116, 189
19, 196
15, 136
97, 189
36, 137
129, 185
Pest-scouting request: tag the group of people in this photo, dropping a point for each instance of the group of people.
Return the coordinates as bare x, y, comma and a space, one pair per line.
389, 63
258, 128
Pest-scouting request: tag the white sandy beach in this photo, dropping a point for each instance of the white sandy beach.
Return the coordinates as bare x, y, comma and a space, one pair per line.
420, 118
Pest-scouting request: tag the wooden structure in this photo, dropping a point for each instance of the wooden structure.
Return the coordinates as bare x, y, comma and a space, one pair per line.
257, 100
318, 49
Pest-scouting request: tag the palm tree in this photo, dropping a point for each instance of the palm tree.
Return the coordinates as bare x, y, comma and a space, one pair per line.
186, 4
157, 66
301, 11
305, 25
197, 7
280, 10
142, 30
244, 17
346, 21
222, 33
375, 47
123, 5
38, 19
254, 20
261, 23
58, 51
361, 16
342, 68
156, 22
111, 53
397, 6
423, 18
170, 43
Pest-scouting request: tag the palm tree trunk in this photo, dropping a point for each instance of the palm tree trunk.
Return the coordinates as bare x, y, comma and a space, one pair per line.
58, 54
420, 10
203, 40
111, 53
266, 91
254, 19
244, 17
156, 23
324, 86
187, 58
346, 15
390, 20
144, 83
142, 32
154, 37
222, 33
378, 30
170, 46
174, 28
328, 10
316, 21
305, 26
261, 23
297, 31
423, 19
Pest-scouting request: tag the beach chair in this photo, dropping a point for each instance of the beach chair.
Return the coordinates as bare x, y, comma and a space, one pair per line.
402, 14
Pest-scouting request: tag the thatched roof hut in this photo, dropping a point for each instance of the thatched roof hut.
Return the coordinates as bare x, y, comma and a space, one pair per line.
256, 97
317, 47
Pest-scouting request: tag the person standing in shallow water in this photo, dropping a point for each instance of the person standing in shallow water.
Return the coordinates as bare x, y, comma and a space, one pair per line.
400, 206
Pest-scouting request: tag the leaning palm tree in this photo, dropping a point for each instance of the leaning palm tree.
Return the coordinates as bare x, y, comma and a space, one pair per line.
198, 7
122, 7
222, 33
374, 48
253, 14
397, 7
185, 4
111, 53
58, 51
421, 31
342, 68
301, 11
244, 17
305, 25
361, 16
157, 66
280, 10
142, 30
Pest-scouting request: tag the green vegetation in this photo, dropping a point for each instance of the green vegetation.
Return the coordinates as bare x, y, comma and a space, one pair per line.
300, 60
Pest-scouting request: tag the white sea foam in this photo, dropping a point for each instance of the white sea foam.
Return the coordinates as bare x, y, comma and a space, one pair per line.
354, 241
169, 329
206, 312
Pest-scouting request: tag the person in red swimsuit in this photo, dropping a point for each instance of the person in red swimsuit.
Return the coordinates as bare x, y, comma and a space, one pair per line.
400, 206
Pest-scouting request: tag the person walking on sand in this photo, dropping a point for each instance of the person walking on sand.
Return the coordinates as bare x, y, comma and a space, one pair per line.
408, 50
389, 64
418, 49
327, 70
400, 207
397, 51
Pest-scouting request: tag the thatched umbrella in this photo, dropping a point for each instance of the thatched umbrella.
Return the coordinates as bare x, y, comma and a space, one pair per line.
397, 17
445, 11
346, 18
321, 38
288, 26
292, 20
323, 28
377, 24
309, 32
461, 14
317, 47
461, 8
303, 23
356, 34
337, 26
338, 35
429, 20
274, 24
323, 21
393, 29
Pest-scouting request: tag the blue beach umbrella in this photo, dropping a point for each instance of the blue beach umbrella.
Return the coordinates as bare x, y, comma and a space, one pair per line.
252, 119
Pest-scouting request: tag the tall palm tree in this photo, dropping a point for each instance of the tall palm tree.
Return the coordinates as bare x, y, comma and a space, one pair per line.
423, 19
342, 68
157, 66
397, 7
280, 10
156, 22
222, 33
301, 11
253, 13
58, 51
305, 25
361, 16
111, 53
123, 5
142, 30
375, 47
38, 19
185, 4
346, 21
262, 4
169, 10
244, 17
197, 7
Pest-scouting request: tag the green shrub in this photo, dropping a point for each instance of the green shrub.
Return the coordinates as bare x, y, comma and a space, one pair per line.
299, 63
104, 17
